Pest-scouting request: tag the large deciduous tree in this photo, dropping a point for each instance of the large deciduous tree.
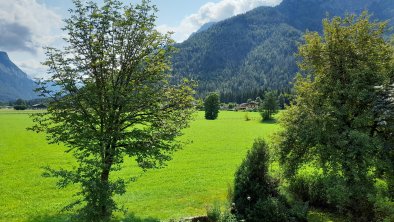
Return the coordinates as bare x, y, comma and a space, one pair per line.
114, 98
334, 123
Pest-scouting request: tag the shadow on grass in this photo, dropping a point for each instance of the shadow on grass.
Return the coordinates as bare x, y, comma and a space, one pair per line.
50, 218
270, 121
67, 218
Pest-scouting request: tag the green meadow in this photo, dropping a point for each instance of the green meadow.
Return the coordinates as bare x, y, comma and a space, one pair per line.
198, 175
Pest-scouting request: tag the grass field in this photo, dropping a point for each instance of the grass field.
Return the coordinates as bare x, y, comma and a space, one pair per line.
197, 176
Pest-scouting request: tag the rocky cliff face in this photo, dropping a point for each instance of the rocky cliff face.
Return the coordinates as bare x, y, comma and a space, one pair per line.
14, 83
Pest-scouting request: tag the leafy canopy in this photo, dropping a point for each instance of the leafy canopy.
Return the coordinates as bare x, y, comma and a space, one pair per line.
114, 99
333, 123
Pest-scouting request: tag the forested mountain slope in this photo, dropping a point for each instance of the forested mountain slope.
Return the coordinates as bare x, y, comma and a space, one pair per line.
246, 54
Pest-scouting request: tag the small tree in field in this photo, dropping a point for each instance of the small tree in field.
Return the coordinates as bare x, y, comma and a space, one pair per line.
114, 100
211, 106
269, 106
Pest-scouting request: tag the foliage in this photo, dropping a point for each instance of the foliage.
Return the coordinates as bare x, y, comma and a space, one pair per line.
200, 105
320, 191
212, 106
20, 104
256, 194
246, 117
384, 210
333, 123
114, 100
252, 181
270, 209
384, 109
232, 105
258, 100
228, 217
383, 204
20, 107
269, 106
214, 212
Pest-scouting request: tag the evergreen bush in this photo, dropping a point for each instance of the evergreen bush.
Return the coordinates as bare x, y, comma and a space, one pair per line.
256, 194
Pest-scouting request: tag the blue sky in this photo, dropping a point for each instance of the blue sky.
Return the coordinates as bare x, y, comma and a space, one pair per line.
26, 26
168, 9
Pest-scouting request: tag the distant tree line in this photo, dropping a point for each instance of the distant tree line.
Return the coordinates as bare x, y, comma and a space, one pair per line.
21, 104
282, 98
283, 94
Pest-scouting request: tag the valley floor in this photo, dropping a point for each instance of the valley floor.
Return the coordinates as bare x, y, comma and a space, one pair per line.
198, 175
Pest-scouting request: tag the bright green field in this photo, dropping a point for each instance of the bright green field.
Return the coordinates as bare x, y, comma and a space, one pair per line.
197, 176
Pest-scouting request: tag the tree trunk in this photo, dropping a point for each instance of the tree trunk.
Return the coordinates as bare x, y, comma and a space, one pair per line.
105, 212
105, 201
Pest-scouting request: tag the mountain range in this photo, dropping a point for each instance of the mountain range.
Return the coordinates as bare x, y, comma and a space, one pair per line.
14, 83
240, 57
245, 55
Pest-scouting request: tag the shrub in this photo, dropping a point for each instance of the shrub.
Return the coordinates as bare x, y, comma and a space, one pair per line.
20, 107
256, 194
214, 212
384, 210
228, 217
383, 205
247, 118
270, 209
265, 115
328, 192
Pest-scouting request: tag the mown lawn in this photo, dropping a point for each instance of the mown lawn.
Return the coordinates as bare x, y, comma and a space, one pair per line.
197, 176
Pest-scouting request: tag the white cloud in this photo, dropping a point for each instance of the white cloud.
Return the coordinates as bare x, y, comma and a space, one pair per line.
25, 28
29, 24
213, 12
